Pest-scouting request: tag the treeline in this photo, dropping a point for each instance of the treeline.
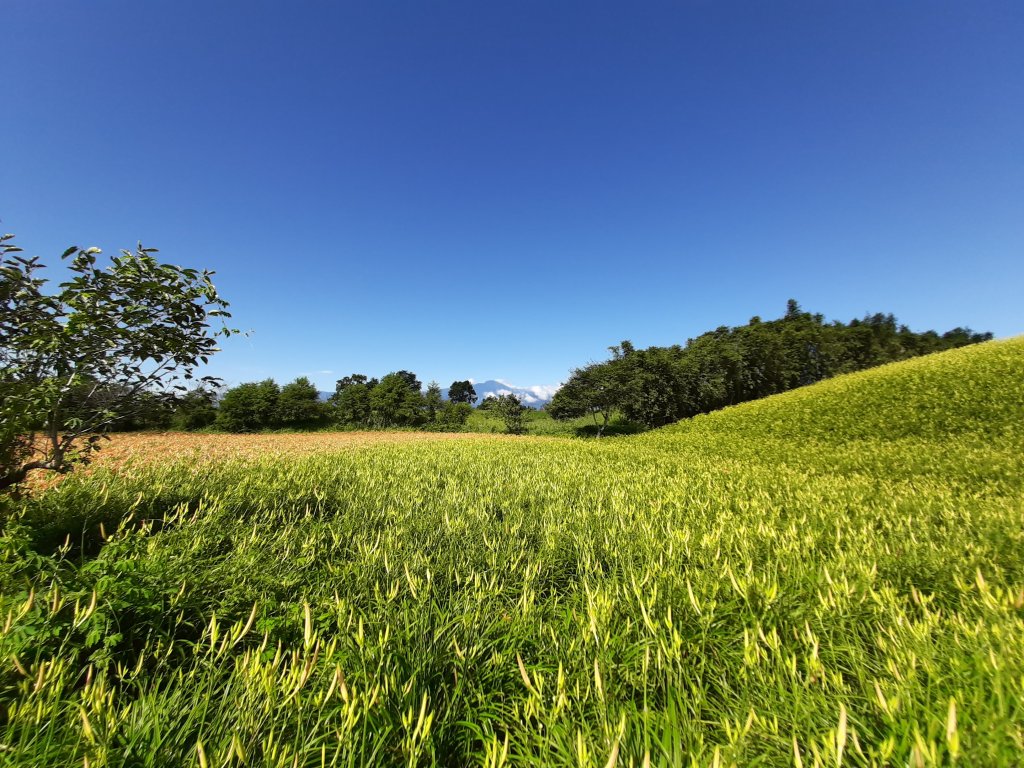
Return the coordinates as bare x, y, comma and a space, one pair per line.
730, 365
358, 402
646, 387
398, 400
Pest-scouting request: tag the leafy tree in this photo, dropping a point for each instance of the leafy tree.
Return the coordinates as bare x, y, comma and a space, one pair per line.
595, 390
142, 410
396, 402
353, 379
410, 380
352, 405
453, 416
569, 402
105, 337
462, 392
351, 400
652, 386
195, 410
511, 410
249, 407
961, 337
432, 401
298, 405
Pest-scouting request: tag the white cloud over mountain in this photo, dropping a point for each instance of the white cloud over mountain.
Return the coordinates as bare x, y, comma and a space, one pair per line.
535, 395
540, 391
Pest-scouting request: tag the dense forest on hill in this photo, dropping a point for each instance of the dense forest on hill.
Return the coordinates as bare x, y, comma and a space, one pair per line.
730, 365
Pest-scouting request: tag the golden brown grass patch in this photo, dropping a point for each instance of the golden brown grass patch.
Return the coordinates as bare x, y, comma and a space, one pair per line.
124, 450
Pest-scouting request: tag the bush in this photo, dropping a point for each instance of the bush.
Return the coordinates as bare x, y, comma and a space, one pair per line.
511, 410
453, 417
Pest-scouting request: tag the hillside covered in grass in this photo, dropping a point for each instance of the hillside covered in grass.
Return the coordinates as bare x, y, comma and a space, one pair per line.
975, 392
830, 576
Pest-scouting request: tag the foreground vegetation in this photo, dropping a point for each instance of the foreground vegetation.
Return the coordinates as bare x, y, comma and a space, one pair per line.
833, 576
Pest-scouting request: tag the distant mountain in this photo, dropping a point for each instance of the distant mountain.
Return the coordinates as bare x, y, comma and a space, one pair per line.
534, 397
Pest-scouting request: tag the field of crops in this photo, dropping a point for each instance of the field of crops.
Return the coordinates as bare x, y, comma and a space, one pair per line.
834, 576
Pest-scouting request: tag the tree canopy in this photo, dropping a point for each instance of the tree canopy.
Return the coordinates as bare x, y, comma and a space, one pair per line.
249, 407
360, 402
299, 406
511, 410
107, 343
730, 365
593, 390
462, 392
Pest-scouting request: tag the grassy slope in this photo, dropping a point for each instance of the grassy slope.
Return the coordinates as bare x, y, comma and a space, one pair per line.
975, 391
843, 559
956, 418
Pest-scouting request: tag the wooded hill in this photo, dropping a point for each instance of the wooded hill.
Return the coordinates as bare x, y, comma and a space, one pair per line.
730, 365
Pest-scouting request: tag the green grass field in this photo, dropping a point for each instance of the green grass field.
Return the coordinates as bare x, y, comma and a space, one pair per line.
833, 576
540, 423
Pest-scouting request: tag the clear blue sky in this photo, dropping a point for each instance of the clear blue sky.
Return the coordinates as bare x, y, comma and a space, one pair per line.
469, 189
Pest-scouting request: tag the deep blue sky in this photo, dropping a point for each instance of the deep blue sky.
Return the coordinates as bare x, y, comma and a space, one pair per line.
504, 189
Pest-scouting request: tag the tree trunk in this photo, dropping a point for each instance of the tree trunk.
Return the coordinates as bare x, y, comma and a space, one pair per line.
18, 475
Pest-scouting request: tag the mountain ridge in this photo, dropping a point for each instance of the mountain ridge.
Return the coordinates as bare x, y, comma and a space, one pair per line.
536, 396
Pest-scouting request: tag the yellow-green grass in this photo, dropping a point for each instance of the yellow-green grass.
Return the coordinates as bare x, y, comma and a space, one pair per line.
832, 576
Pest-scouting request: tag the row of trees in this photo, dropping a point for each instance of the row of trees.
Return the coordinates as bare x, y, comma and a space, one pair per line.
660, 385
397, 400
359, 402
